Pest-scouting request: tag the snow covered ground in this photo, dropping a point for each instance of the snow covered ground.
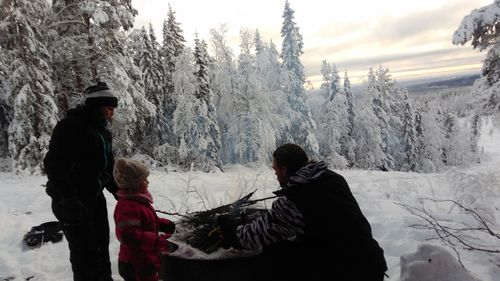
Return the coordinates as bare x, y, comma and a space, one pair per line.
23, 204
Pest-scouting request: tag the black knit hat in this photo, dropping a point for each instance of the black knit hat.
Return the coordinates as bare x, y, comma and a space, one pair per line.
100, 95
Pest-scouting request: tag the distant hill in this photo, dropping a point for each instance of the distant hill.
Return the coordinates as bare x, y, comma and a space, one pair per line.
452, 82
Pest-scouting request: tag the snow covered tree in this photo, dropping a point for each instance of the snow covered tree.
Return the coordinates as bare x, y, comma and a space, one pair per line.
350, 102
111, 63
481, 27
475, 133
333, 124
5, 108
152, 77
334, 88
273, 103
207, 113
224, 84
292, 45
172, 47
259, 43
409, 136
449, 131
150, 67
387, 96
251, 130
185, 129
133, 45
30, 92
347, 142
368, 149
192, 124
88, 44
326, 72
72, 49
429, 135
457, 148
268, 70
302, 126
131, 123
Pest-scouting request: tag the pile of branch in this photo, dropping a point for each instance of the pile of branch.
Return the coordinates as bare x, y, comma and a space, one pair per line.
200, 229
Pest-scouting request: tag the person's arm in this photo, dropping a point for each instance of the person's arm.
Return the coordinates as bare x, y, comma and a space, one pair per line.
282, 222
60, 160
110, 183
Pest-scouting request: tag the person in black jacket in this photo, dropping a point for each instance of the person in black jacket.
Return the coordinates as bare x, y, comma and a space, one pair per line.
79, 165
315, 230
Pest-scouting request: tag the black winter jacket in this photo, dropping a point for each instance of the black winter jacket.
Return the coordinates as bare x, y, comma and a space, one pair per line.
316, 231
335, 225
79, 162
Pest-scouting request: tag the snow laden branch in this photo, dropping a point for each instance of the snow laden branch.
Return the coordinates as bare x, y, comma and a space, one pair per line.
481, 26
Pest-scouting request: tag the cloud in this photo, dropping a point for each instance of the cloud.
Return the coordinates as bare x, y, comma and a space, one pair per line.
411, 42
403, 65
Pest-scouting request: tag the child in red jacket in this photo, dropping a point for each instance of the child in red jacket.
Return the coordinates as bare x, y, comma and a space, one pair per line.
137, 225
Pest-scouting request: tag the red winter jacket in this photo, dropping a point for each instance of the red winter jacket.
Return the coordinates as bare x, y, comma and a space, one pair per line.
137, 230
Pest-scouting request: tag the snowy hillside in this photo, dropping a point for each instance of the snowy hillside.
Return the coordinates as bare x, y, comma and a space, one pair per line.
24, 204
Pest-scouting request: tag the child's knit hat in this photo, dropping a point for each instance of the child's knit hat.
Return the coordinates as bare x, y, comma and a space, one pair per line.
129, 173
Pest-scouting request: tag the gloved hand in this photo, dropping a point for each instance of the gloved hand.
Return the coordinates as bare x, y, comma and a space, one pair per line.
165, 246
228, 224
166, 226
72, 211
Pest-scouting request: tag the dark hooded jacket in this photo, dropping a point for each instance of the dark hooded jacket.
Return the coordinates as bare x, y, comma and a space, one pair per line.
316, 231
79, 162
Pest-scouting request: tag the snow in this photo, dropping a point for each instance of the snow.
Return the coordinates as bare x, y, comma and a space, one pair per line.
23, 204
431, 263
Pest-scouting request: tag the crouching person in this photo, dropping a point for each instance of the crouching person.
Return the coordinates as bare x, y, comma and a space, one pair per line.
137, 225
315, 230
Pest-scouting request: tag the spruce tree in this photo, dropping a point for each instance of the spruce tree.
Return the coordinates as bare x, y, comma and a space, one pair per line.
350, 102
347, 142
207, 118
475, 134
5, 108
148, 64
326, 72
334, 119
410, 136
302, 127
31, 92
172, 47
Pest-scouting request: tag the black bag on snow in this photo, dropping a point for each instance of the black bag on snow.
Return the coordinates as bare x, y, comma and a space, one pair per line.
48, 231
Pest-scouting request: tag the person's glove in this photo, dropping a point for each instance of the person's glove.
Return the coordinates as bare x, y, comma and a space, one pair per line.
165, 246
72, 211
228, 224
167, 226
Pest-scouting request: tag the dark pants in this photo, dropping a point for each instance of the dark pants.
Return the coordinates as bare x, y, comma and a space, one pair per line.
88, 242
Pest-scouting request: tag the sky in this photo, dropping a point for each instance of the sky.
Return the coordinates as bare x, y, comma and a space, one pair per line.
410, 38
24, 204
